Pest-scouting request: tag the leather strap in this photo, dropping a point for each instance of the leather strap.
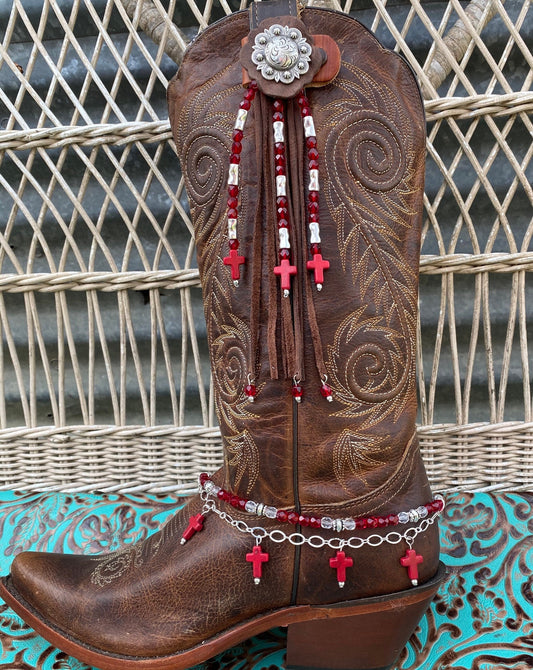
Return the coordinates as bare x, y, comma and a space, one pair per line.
270, 9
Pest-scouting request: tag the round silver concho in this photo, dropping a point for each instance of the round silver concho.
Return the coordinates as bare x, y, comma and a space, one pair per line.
281, 53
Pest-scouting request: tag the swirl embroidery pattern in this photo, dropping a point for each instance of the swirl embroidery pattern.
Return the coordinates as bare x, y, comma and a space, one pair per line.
205, 159
371, 194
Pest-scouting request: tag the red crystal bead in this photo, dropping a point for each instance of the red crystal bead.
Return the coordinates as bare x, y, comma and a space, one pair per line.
235, 159
372, 522
234, 501
253, 85
233, 190
223, 495
283, 223
279, 147
316, 248
282, 212
233, 203
280, 170
382, 522
313, 196
236, 148
281, 201
250, 94
233, 244
361, 524
245, 104
392, 519
280, 159
250, 390
293, 518
278, 105
314, 522
313, 218
311, 142
306, 111
277, 116
242, 503
281, 515
284, 253
313, 165
204, 477
312, 154
297, 391
232, 213
325, 391
301, 99
439, 504
312, 207
237, 135
303, 520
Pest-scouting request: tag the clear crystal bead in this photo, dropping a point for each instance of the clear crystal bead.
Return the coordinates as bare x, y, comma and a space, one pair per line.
348, 524
251, 506
422, 512
327, 522
270, 512
403, 517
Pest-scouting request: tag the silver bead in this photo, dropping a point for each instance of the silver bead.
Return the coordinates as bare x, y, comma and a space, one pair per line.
413, 516
260, 508
286, 294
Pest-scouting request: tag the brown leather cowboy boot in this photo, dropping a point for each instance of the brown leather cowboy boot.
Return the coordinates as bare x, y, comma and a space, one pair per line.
307, 212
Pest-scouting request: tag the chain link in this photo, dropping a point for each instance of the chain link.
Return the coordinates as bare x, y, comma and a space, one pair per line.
316, 541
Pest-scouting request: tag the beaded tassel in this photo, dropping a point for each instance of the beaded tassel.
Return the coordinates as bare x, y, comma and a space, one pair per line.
233, 259
317, 264
284, 270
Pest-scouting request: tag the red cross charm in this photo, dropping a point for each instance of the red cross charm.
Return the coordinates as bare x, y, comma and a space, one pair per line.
318, 265
284, 270
234, 260
340, 562
196, 524
257, 557
411, 561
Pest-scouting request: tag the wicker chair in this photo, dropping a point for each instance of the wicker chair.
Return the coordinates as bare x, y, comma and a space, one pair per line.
103, 364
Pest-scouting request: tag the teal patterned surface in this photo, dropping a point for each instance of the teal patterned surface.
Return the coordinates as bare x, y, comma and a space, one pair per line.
481, 619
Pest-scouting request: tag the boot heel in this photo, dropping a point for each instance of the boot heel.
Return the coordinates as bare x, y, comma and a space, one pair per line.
362, 635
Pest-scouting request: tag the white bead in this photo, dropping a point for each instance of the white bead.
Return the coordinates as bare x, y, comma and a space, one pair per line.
278, 131
313, 180
241, 119
281, 185
284, 238
233, 175
309, 126
232, 229
314, 229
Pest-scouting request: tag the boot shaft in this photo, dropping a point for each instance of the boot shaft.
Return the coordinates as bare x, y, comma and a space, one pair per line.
357, 334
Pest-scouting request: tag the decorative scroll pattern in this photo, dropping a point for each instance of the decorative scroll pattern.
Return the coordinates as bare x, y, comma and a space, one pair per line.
481, 618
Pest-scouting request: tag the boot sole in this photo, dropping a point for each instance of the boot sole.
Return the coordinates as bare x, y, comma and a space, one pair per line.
365, 634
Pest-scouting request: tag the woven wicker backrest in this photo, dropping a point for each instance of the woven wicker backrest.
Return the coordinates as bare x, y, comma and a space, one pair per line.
103, 364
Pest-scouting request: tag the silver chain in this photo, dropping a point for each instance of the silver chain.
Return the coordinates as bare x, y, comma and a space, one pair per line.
316, 541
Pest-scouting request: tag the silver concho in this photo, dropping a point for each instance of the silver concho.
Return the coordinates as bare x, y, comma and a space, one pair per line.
281, 53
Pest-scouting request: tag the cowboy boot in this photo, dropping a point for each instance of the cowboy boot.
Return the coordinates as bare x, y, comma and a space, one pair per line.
307, 211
